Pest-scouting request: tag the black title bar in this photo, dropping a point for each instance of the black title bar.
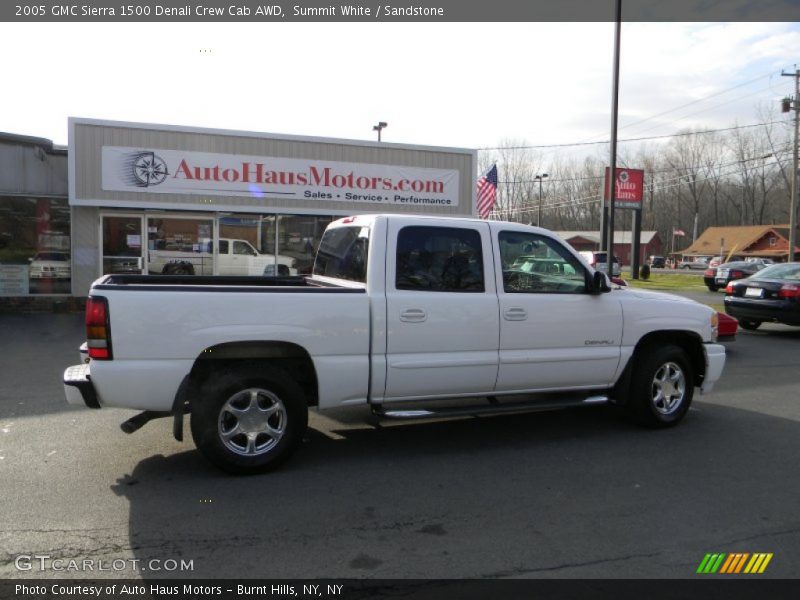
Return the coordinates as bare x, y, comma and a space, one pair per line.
243, 11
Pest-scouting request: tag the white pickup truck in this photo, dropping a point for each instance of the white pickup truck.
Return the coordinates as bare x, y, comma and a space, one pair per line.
234, 257
400, 313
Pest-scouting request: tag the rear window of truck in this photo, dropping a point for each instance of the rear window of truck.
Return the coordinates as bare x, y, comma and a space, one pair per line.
343, 254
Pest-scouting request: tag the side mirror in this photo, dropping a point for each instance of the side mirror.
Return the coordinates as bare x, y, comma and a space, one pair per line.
600, 283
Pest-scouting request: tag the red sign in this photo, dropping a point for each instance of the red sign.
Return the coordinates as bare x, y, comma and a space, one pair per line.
629, 188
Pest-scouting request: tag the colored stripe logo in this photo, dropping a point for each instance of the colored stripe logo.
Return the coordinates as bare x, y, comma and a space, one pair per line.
735, 563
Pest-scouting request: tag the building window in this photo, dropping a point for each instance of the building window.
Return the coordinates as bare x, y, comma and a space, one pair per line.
34, 246
773, 241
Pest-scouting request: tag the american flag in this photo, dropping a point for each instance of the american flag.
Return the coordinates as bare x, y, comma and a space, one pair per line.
678, 232
487, 192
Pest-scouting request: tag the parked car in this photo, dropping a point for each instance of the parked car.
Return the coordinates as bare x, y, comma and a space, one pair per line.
718, 260
49, 264
761, 261
717, 278
598, 261
772, 295
658, 262
234, 257
693, 262
728, 326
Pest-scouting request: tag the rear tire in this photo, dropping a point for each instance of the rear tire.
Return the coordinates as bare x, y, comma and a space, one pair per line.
749, 324
712, 288
662, 386
249, 418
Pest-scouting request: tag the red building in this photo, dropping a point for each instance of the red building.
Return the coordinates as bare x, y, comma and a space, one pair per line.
650, 243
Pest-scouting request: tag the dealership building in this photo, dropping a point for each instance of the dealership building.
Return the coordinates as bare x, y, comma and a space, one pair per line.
149, 199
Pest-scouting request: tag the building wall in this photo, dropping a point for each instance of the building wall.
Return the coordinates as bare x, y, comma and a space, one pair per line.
85, 248
32, 169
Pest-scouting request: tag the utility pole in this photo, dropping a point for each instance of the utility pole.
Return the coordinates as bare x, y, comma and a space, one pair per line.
612, 177
540, 177
793, 202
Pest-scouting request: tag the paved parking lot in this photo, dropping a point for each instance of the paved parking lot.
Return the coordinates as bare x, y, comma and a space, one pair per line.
579, 493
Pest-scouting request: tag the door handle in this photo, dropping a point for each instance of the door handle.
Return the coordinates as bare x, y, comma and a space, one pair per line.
413, 315
515, 314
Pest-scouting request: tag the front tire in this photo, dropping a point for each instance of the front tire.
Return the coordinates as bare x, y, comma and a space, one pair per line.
662, 386
749, 324
249, 419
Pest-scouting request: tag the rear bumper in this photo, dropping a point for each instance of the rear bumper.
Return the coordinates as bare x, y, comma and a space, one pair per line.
715, 362
78, 387
781, 311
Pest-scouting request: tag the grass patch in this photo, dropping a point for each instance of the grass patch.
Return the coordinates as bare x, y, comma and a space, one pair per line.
669, 282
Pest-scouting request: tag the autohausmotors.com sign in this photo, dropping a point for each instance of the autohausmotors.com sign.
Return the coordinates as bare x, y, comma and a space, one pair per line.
157, 171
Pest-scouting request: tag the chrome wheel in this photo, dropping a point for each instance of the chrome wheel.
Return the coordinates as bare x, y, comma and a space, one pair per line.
669, 388
252, 422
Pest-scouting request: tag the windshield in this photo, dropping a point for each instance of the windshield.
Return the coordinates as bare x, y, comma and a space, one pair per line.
788, 271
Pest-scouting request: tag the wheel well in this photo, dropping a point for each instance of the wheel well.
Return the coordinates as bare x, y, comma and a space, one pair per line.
290, 357
690, 342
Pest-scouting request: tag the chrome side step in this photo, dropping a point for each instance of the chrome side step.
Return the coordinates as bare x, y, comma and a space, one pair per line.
459, 411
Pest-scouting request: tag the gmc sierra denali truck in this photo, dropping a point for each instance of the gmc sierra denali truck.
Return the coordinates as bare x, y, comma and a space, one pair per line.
399, 313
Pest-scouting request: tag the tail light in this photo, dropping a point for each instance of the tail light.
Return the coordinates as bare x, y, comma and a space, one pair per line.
729, 289
708, 273
736, 274
98, 331
789, 290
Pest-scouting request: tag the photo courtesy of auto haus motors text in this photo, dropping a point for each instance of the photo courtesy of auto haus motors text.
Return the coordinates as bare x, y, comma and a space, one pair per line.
185, 590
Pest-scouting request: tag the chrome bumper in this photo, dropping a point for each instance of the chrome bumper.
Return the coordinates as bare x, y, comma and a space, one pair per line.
78, 387
715, 362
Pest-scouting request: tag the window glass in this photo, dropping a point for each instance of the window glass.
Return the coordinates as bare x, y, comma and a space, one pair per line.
178, 245
439, 259
539, 264
343, 253
242, 248
34, 246
298, 238
223, 246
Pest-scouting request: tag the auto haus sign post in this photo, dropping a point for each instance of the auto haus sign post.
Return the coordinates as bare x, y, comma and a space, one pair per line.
161, 171
628, 193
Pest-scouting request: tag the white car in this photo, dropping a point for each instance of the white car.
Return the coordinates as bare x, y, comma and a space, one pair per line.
49, 264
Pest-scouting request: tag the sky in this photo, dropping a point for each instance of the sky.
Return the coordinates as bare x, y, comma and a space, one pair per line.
466, 85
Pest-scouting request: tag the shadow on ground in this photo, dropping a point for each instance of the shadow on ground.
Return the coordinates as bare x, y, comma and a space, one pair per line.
566, 494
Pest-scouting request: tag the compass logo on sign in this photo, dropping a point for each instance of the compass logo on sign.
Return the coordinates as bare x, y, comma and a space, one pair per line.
145, 169
623, 177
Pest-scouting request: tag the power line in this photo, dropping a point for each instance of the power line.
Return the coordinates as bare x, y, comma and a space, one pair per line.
639, 139
781, 148
681, 180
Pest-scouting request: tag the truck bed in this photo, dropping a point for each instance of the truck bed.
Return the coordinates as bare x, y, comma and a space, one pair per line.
220, 283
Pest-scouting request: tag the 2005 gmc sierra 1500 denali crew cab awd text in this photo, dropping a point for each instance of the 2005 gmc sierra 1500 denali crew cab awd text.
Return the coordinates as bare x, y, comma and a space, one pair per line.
399, 313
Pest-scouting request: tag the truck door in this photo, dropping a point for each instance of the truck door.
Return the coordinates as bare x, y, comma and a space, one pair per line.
553, 333
442, 316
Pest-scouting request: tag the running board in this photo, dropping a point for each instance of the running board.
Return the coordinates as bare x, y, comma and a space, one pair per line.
458, 411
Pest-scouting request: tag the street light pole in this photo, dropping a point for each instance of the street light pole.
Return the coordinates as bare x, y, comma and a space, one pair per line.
379, 127
539, 215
